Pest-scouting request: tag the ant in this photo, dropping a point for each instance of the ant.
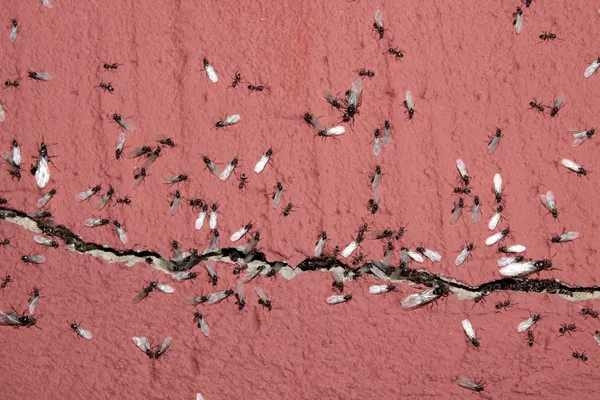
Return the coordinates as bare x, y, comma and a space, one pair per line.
548, 36
579, 356
288, 209
107, 87
398, 54
166, 141
530, 339
590, 312
461, 190
10, 83
503, 305
567, 329
243, 181
556, 107
256, 88
366, 72
236, 80
177, 179
535, 105
5, 281
358, 259
108, 66
372, 206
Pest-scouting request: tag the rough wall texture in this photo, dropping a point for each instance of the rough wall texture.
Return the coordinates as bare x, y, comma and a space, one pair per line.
469, 73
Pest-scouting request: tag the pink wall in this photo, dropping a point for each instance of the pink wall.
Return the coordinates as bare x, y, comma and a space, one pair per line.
469, 72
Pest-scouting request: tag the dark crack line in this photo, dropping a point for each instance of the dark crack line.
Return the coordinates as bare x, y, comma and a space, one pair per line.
237, 255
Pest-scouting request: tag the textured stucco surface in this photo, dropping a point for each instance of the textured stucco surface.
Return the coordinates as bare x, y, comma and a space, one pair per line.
469, 73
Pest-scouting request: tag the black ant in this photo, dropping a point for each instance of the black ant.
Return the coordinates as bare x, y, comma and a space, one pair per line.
480, 298
366, 72
243, 181
236, 80
590, 312
288, 209
548, 36
5, 281
358, 259
567, 329
579, 356
256, 88
530, 339
125, 200
503, 305
537, 106
108, 66
398, 54
107, 87
10, 83
461, 190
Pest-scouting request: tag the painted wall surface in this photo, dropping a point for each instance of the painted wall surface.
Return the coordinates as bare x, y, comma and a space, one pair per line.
469, 73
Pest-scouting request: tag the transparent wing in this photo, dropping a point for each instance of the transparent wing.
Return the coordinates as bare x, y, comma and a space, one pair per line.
495, 238
476, 214
240, 289
126, 125
408, 97
337, 276
141, 343
589, 71
335, 299
494, 221
419, 299
212, 75
568, 236
348, 250
42, 175
518, 269
84, 333
232, 119
9, 318
498, 183
461, 257
260, 165
493, 145
415, 256
379, 18
261, 294
456, 214
336, 130
519, 24
13, 34
462, 168
200, 221
164, 288
467, 384
523, 326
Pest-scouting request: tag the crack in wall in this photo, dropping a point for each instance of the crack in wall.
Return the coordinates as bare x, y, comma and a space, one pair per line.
237, 256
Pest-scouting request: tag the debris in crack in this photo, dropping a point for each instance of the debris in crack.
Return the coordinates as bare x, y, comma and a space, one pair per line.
252, 259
